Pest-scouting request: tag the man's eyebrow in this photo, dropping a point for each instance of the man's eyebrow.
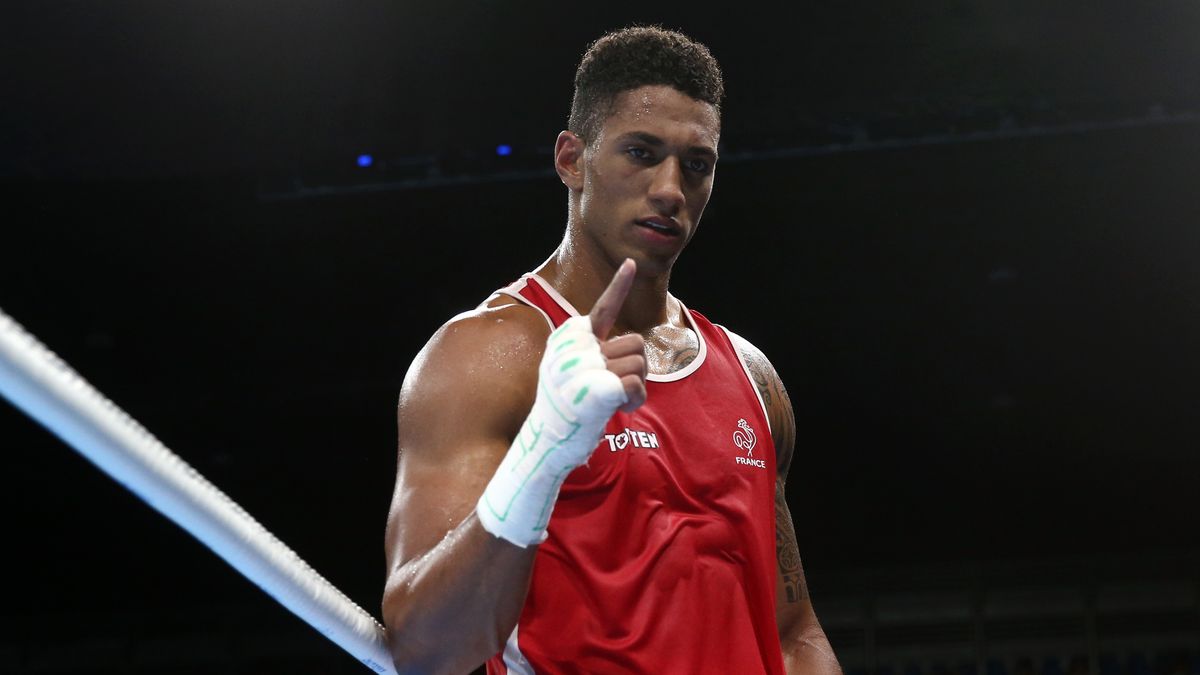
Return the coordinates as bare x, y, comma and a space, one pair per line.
655, 141
647, 138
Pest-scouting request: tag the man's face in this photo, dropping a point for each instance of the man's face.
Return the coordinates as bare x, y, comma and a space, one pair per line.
648, 175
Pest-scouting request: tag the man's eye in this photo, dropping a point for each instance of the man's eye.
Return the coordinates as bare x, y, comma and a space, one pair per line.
638, 153
698, 165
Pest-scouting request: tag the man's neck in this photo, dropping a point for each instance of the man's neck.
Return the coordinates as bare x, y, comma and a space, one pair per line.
580, 276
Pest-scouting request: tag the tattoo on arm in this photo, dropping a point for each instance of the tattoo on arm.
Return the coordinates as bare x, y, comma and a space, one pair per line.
788, 553
779, 408
783, 430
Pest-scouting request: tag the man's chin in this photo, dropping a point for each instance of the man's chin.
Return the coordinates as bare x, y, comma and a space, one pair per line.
652, 263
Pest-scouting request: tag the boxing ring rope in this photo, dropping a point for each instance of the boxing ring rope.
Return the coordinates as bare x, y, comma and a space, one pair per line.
48, 390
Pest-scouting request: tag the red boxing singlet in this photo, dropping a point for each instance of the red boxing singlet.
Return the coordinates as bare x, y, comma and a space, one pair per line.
661, 550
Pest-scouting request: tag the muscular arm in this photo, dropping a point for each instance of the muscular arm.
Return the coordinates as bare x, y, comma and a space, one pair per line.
805, 647
454, 591
456, 583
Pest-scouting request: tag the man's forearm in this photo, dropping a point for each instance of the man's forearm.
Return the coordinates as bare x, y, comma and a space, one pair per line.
454, 607
810, 654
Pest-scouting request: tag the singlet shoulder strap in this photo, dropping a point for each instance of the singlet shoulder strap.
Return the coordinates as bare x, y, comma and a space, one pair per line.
746, 370
531, 291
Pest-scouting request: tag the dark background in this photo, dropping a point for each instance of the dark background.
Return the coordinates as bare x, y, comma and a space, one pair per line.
964, 232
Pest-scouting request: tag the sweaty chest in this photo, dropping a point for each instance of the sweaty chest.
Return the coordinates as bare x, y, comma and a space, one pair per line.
670, 349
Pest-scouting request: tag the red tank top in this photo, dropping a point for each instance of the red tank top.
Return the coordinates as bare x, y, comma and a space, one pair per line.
661, 549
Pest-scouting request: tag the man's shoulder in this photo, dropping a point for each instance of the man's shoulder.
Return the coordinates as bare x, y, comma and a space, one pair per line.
482, 363
497, 336
499, 319
744, 347
754, 357
774, 397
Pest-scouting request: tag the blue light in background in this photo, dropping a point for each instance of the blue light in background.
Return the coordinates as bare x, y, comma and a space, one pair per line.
365, 160
504, 150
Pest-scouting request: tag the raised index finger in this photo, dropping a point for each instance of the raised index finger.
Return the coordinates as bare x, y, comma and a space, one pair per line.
608, 306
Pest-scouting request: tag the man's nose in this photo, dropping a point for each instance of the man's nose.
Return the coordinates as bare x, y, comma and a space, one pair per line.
666, 189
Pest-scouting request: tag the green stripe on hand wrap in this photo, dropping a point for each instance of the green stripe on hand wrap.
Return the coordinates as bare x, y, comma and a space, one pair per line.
576, 396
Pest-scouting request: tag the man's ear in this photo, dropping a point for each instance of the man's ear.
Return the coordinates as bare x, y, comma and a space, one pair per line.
568, 159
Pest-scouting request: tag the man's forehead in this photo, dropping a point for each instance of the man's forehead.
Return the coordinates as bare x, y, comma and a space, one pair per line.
659, 109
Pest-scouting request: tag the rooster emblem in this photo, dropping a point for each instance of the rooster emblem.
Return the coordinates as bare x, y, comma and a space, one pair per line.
744, 437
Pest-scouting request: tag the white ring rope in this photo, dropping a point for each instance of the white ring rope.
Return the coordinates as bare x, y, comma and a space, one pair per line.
46, 388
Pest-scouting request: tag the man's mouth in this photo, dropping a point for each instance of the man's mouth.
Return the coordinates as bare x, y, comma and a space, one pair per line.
661, 225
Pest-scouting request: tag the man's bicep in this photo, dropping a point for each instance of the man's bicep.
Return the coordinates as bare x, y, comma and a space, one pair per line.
461, 404
791, 586
432, 496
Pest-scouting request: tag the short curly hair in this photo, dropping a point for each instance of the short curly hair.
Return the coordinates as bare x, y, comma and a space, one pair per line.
635, 57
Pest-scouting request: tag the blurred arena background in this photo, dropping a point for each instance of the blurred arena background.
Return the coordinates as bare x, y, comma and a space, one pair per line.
965, 231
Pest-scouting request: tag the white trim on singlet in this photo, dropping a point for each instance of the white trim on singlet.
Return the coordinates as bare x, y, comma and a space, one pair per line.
695, 364
746, 369
554, 295
514, 660
513, 291
653, 377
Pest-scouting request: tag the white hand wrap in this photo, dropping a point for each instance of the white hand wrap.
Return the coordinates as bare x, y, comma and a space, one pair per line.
576, 396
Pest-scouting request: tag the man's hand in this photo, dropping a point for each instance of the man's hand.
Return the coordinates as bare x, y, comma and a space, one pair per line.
581, 383
625, 355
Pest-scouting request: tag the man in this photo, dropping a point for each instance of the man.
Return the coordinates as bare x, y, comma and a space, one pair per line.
603, 498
